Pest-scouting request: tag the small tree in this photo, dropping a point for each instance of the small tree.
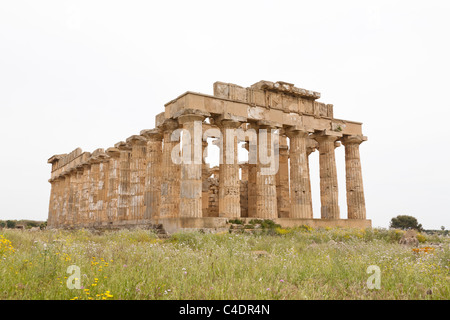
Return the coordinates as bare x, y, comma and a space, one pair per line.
10, 224
405, 222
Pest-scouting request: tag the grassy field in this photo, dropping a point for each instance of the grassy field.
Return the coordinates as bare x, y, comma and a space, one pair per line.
277, 264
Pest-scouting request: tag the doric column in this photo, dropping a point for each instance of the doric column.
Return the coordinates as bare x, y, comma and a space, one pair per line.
311, 146
282, 179
65, 199
103, 184
356, 206
301, 201
93, 189
152, 193
251, 179
205, 176
57, 206
84, 204
113, 184
170, 173
124, 182
51, 206
328, 174
191, 165
266, 190
137, 176
79, 194
229, 183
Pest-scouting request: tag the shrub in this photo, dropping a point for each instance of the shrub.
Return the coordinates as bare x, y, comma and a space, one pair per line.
10, 224
281, 231
421, 238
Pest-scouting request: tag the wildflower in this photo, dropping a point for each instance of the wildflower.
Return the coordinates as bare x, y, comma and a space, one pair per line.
281, 280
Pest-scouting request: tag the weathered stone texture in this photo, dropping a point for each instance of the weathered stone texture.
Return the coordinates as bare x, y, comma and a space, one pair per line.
161, 176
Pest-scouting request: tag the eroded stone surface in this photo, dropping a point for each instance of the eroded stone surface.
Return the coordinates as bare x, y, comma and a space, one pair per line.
138, 183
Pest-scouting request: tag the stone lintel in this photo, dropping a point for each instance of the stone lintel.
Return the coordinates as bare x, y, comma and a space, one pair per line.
218, 105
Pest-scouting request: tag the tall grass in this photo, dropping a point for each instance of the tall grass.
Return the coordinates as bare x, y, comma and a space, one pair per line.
298, 263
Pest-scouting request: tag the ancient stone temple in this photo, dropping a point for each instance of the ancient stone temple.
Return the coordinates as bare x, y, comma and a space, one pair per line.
160, 176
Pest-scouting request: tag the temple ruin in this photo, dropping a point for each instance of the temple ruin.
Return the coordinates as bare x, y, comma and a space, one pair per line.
160, 176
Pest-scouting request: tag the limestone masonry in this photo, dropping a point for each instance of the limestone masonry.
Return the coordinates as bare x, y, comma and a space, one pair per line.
157, 179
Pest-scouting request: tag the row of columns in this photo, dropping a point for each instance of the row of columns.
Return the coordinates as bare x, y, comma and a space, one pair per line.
138, 179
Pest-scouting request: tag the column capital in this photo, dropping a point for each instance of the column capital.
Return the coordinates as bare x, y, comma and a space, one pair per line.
326, 135
353, 139
136, 140
190, 115
311, 145
113, 152
267, 124
293, 130
123, 146
168, 125
152, 134
229, 120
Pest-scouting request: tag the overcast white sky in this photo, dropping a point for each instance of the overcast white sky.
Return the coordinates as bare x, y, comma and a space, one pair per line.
91, 73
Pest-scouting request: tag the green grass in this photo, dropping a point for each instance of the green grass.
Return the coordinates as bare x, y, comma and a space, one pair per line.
299, 263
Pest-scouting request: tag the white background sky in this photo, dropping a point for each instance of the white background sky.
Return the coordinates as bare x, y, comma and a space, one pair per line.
91, 73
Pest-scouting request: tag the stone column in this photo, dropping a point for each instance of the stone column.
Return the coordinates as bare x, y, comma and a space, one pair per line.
282, 179
356, 206
191, 166
103, 184
84, 205
60, 201
205, 175
328, 174
137, 176
229, 183
251, 180
65, 198
311, 146
301, 201
113, 184
124, 182
51, 206
152, 193
79, 196
73, 197
170, 173
266, 190
93, 191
